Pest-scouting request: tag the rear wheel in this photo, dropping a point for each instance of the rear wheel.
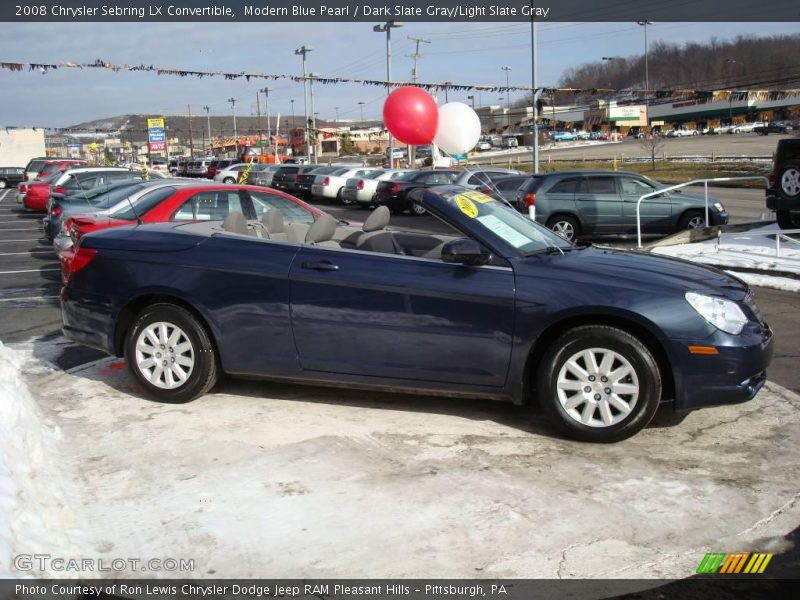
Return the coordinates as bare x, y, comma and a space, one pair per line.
789, 180
170, 354
565, 226
599, 384
693, 219
229, 180
787, 219
417, 210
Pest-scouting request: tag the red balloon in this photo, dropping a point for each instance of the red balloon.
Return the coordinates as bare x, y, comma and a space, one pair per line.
411, 115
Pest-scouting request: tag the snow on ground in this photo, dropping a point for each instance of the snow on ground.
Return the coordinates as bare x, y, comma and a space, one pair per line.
277, 480
751, 250
36, 500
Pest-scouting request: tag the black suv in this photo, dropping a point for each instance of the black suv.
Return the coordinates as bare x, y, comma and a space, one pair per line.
783, 193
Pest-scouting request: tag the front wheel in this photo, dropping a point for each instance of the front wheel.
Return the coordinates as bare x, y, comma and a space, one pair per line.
417, 210
692, 220
565, 226
170, 354
229, 180
599, 384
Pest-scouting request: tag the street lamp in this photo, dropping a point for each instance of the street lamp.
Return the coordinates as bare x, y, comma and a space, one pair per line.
294, 126
472, 100
387, 27
507, 69
361, 104
266, 98
447, 85
303, 51
208, 117
644, 24
336, 108
235, 135
313, 117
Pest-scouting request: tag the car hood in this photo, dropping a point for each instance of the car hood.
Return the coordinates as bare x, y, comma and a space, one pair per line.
636, 270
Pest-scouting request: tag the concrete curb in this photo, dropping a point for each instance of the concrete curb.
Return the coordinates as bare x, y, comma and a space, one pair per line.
691, 236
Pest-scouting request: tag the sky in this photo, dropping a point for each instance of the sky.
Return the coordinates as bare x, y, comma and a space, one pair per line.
471, 53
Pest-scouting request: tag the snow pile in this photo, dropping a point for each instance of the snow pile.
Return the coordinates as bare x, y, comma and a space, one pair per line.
34, 508
739, 253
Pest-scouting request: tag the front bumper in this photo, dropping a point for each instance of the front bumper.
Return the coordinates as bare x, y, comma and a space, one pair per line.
732, 376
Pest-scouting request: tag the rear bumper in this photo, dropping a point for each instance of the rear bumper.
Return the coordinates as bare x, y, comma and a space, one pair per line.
87, 320
391, 202
733, 376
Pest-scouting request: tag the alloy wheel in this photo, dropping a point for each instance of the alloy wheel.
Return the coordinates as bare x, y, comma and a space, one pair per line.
696, 222
164, 355
564, 229
790, 182
598, 387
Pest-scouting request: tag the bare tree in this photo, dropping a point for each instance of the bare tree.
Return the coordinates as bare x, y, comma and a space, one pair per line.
652, 144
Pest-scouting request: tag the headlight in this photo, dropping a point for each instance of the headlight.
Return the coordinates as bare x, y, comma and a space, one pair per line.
722, 314
719, 207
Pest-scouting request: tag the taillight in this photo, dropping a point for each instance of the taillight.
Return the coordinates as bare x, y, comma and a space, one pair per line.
23, 187
530, 199
360, 184
67, 225
59, 189
326, 181
72, 262
395, 189
486, 191
56, 211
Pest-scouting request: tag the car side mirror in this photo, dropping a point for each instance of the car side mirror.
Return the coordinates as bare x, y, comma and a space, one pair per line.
466, 252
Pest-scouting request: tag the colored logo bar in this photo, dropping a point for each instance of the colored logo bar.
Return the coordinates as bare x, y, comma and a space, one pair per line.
734, 563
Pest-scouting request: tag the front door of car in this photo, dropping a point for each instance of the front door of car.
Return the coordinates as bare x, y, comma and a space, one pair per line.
599, 204
656, 211
382, 315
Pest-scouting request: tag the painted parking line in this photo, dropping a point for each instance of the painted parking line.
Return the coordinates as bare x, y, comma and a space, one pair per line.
27, 298
26, 240
27, 229
28, 252
28, 271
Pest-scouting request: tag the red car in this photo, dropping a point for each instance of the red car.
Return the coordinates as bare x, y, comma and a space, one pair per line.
202, 202
53, 166
38, 191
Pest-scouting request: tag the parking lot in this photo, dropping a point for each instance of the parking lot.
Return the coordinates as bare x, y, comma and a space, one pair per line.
282, 482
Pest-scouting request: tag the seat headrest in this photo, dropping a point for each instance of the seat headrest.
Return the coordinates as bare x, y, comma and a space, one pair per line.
273, 221
378, 220
322, 230
235, 223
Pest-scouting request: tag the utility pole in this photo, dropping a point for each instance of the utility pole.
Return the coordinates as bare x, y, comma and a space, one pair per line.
644, 24
235, 134
258, 106
266, 107
361, 105
313, 136
191, 137
387, 27
208, 117
416, 56
534, 70
303, 51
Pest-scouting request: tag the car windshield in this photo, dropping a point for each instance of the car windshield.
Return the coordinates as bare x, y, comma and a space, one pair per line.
374, 174
112, 197
143, 204
407, 176
501, 221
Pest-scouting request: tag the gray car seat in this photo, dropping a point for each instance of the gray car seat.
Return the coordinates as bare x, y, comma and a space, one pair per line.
374, 238
321, 232
273, 223
236, 223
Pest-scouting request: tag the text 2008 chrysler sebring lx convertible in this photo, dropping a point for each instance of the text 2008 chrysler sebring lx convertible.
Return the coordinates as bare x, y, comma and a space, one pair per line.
502, 309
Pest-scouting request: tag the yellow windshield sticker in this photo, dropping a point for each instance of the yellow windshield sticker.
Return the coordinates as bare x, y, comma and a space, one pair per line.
478, 197
466, 206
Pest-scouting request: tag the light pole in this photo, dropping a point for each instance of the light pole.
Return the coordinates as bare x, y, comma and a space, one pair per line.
387, 27
235, 134
472, 100
291, 136
535, 97
507, 69
336, 108
303, 51
208, 118
447, 85
266, 106
644, 24
361, 105
313, 135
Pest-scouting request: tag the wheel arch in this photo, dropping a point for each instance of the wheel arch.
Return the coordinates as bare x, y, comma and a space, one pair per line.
135, 306
565, 212
624, 322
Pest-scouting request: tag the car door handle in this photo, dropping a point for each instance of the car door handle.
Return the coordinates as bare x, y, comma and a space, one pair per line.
321, 266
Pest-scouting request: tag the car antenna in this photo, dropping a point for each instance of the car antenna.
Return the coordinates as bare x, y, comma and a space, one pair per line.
135, 214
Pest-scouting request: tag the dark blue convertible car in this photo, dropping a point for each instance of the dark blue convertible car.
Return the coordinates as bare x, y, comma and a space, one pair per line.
502, 308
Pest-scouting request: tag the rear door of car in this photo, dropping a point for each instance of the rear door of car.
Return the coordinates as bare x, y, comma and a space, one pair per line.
599, 204
558, 198
656, 211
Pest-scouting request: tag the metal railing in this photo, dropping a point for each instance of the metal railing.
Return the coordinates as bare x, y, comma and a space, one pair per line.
782, 234
662, 191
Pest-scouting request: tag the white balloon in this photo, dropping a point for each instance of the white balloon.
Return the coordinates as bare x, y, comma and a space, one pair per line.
459, 128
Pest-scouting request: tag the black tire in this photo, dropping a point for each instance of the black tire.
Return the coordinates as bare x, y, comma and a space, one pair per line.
565, 226
416, 209
229, 180
786, 219
692, 219
204, 372
397, 211
601, 341
788, 180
